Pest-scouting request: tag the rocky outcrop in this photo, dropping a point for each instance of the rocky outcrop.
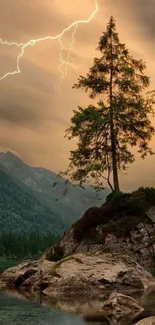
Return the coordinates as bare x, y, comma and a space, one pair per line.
139, 243
125, 224
79, 273
28, 273
80, 283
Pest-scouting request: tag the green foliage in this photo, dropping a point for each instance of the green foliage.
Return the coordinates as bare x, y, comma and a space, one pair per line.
92, 218
136, 202
120, 214
40, 184
105, 133
130, 203
22, 213
18, 246
116, 196
122, 226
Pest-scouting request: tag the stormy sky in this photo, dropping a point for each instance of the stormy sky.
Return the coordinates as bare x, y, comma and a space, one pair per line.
33, 113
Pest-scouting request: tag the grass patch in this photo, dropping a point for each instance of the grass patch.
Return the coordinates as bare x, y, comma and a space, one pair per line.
121, 227
57, 265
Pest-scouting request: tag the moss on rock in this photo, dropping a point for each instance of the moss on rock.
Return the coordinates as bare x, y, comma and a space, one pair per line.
63, 260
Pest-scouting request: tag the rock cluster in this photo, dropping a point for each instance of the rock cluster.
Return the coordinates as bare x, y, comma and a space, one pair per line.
98, 263
139, 243
79, 273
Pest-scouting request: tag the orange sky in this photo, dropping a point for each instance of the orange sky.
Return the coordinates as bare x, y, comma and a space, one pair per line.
33, 117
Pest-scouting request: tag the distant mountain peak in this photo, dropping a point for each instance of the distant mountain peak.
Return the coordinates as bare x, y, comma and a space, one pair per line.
39, 183
12, 155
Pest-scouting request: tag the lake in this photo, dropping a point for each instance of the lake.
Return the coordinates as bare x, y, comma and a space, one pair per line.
5, 264
16, 309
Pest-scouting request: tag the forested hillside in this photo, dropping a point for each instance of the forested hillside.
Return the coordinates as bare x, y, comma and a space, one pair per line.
39, 183
22, 213
33, 213
19, 246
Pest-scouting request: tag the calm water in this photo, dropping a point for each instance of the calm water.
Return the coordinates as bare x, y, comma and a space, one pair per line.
5, 264
14, 311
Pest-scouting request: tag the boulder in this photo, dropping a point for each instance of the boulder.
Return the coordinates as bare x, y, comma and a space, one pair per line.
98, 273
27, 274
79, 273
19, 273
110, 229
121, 309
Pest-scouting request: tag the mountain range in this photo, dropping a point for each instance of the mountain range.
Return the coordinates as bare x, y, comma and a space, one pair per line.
29, 201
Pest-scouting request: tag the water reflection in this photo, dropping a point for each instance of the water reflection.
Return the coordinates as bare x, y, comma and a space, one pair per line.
28, 309
16, 312
16, 308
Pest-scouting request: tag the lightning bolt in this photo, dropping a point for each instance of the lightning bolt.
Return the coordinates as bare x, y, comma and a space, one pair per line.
67, 62
33, 42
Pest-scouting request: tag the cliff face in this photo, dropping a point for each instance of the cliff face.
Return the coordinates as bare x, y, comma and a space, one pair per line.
139, 243
124, 226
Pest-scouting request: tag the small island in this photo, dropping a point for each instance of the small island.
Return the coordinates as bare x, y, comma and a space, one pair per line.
107, 251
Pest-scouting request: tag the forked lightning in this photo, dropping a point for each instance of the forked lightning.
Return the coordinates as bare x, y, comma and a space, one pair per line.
63, 63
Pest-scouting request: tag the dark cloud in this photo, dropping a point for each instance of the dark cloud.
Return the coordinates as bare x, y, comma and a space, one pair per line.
144, 14
24, 20
33, 116
19, 115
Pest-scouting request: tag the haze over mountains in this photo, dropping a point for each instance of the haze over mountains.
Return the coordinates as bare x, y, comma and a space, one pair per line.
29, 200
22, 213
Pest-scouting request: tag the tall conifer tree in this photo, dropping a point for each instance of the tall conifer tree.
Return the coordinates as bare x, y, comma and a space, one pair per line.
107, 132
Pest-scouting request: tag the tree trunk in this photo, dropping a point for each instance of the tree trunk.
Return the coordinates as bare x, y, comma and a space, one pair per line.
115, 169
114, 155
112, 131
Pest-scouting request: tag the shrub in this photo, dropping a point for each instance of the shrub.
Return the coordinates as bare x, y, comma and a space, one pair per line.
116, 197
120, 210
92, 218
54, 253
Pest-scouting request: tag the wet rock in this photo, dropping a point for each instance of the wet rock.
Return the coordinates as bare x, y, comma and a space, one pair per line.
27, 274
121, 309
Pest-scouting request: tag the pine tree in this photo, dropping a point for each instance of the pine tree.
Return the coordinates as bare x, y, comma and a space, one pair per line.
107, 132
